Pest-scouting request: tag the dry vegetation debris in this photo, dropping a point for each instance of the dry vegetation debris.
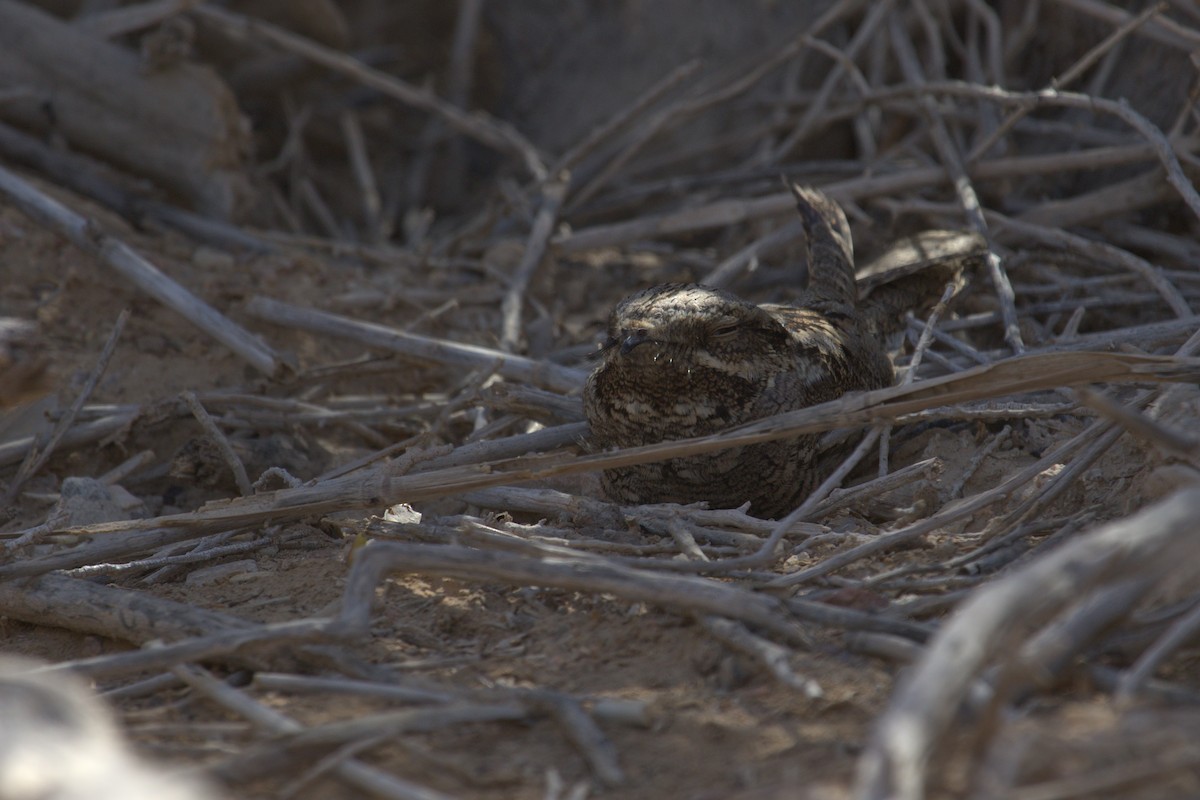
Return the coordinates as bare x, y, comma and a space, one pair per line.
309, 497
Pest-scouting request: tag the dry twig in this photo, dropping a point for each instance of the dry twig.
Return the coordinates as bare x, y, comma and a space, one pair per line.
88, 236
995, 618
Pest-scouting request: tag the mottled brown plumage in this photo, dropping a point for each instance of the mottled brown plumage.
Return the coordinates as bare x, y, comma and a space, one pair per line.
685, 360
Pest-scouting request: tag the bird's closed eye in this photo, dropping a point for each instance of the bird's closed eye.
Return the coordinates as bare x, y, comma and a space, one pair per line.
722, 331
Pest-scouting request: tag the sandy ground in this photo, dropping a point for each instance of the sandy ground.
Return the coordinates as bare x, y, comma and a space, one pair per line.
716, 724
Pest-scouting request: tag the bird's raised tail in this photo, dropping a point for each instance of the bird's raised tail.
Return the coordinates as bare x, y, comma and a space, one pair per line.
830, 248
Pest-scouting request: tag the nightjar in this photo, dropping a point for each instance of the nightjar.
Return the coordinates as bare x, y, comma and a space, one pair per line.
684, 360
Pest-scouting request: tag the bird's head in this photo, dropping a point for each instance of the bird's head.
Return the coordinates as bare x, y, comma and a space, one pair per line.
675, 327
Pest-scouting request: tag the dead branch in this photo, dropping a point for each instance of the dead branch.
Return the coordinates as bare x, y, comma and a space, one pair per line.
111, 251
544, 374
1016, 375
36, 457
478, 125
733, 211
1001, 614
362, 776
553, 192
696, 595
128, 616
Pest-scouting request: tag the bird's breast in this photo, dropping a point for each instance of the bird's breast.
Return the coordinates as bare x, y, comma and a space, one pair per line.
632, 405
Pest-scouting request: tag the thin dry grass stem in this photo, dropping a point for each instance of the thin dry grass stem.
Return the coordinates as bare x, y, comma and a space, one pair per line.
934, 605
1043, 656
106, 550
409, 692
993, 35
1164, 150
680, 110
478, 125
1162, 29
992, 412
733, 267
1103, 435
876, 487
614, 124
775, 658
218, 438
193, 552
543, 540
127, 467
735, 525
976, 461
1148, 337
114, 22
553, 192
926, 337
999, 551
1071, 329
144, 620
328, 763
1101, 252
543, 440
1173, 442
1021, 230
233, 646
539, 405
816, 114
1158, 691
1153, 772
732, 211
1171, 246
583, 732
1135, 678
1188, 112
36, 457
544, 374
685, 593
81, 435
90, 237
689, 107
197, 556
1068, 76
685, 541
996, 619
934, 60
964, 509
896, 649
364, 176
767, 551
922, 329
311, 199
967, 196
458, 92
1112, 200
85, 176
362, 776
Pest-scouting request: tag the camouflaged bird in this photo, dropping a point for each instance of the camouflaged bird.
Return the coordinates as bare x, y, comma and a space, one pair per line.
684, 360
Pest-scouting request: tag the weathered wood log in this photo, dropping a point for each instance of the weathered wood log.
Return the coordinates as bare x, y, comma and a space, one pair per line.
179, 126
